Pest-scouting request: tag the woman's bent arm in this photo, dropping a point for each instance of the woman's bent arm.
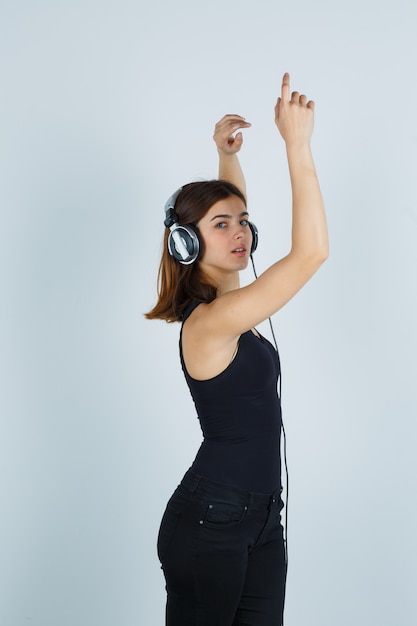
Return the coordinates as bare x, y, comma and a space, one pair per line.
228, 145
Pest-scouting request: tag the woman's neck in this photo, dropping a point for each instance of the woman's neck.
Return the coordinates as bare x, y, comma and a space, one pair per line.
227, 283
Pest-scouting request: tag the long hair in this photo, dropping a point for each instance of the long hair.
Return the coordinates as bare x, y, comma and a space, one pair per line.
178, 284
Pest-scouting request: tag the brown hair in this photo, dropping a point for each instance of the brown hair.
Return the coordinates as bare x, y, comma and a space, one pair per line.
178, 284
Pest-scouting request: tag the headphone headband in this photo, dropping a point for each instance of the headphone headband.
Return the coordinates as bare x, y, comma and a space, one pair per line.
170, 216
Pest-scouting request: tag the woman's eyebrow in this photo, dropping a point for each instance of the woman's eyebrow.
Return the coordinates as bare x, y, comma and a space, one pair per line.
228, 216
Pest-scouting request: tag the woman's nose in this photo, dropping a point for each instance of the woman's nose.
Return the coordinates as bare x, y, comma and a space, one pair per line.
240, 231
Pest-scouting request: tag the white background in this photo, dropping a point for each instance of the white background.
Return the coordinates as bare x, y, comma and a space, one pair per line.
105, 109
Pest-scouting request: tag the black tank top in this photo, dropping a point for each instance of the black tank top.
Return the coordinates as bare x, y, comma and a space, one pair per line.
240, 417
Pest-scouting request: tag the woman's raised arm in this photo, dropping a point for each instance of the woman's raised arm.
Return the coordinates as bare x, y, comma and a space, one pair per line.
228, 145
294, 117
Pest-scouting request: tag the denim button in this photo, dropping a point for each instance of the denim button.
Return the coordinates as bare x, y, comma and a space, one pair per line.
210, 506
201, 521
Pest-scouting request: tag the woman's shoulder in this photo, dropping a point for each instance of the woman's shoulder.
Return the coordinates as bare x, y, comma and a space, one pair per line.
205, 353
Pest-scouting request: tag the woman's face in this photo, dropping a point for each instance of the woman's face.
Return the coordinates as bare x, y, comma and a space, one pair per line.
227, 237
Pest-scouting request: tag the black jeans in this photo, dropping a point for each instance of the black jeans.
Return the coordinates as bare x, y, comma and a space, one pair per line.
222, 554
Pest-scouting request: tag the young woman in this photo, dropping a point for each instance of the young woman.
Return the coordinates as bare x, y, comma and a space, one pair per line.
221, 540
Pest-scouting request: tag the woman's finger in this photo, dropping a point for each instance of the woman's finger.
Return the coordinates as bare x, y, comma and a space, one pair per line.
224, 133
231, 119
285, 88
233, 122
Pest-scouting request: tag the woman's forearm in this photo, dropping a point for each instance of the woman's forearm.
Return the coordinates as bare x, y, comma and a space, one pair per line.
309, 226
230, 170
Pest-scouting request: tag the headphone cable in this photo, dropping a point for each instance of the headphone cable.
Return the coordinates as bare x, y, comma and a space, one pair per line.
284, 436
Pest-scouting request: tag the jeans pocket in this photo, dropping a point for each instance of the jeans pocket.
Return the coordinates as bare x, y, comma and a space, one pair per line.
166, 530
218, 513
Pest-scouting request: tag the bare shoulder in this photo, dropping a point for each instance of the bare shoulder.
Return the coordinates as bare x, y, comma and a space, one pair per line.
206, 352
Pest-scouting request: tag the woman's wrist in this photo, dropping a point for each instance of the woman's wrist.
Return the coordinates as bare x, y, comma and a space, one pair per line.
298, 145
299, 154
226, 155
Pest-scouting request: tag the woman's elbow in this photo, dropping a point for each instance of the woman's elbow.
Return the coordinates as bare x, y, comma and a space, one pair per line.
323, 254
314, 260
315, 257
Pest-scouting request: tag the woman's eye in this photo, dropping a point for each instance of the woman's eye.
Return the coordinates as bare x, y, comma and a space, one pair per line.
244, 222
221, 224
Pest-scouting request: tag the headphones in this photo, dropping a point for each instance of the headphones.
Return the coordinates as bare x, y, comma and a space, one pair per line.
184, 242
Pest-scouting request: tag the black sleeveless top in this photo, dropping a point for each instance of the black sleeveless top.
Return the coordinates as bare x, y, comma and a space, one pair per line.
240, 417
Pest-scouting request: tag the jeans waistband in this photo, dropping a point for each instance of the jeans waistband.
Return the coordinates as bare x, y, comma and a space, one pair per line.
199, 485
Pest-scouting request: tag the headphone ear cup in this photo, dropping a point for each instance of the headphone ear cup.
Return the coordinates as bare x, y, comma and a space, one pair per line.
255, 237
184, 243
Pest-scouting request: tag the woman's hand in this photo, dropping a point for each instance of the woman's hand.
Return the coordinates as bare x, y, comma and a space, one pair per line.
294, 115
226, 141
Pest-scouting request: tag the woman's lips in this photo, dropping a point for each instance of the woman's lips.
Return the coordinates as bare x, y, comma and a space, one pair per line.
241, 251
